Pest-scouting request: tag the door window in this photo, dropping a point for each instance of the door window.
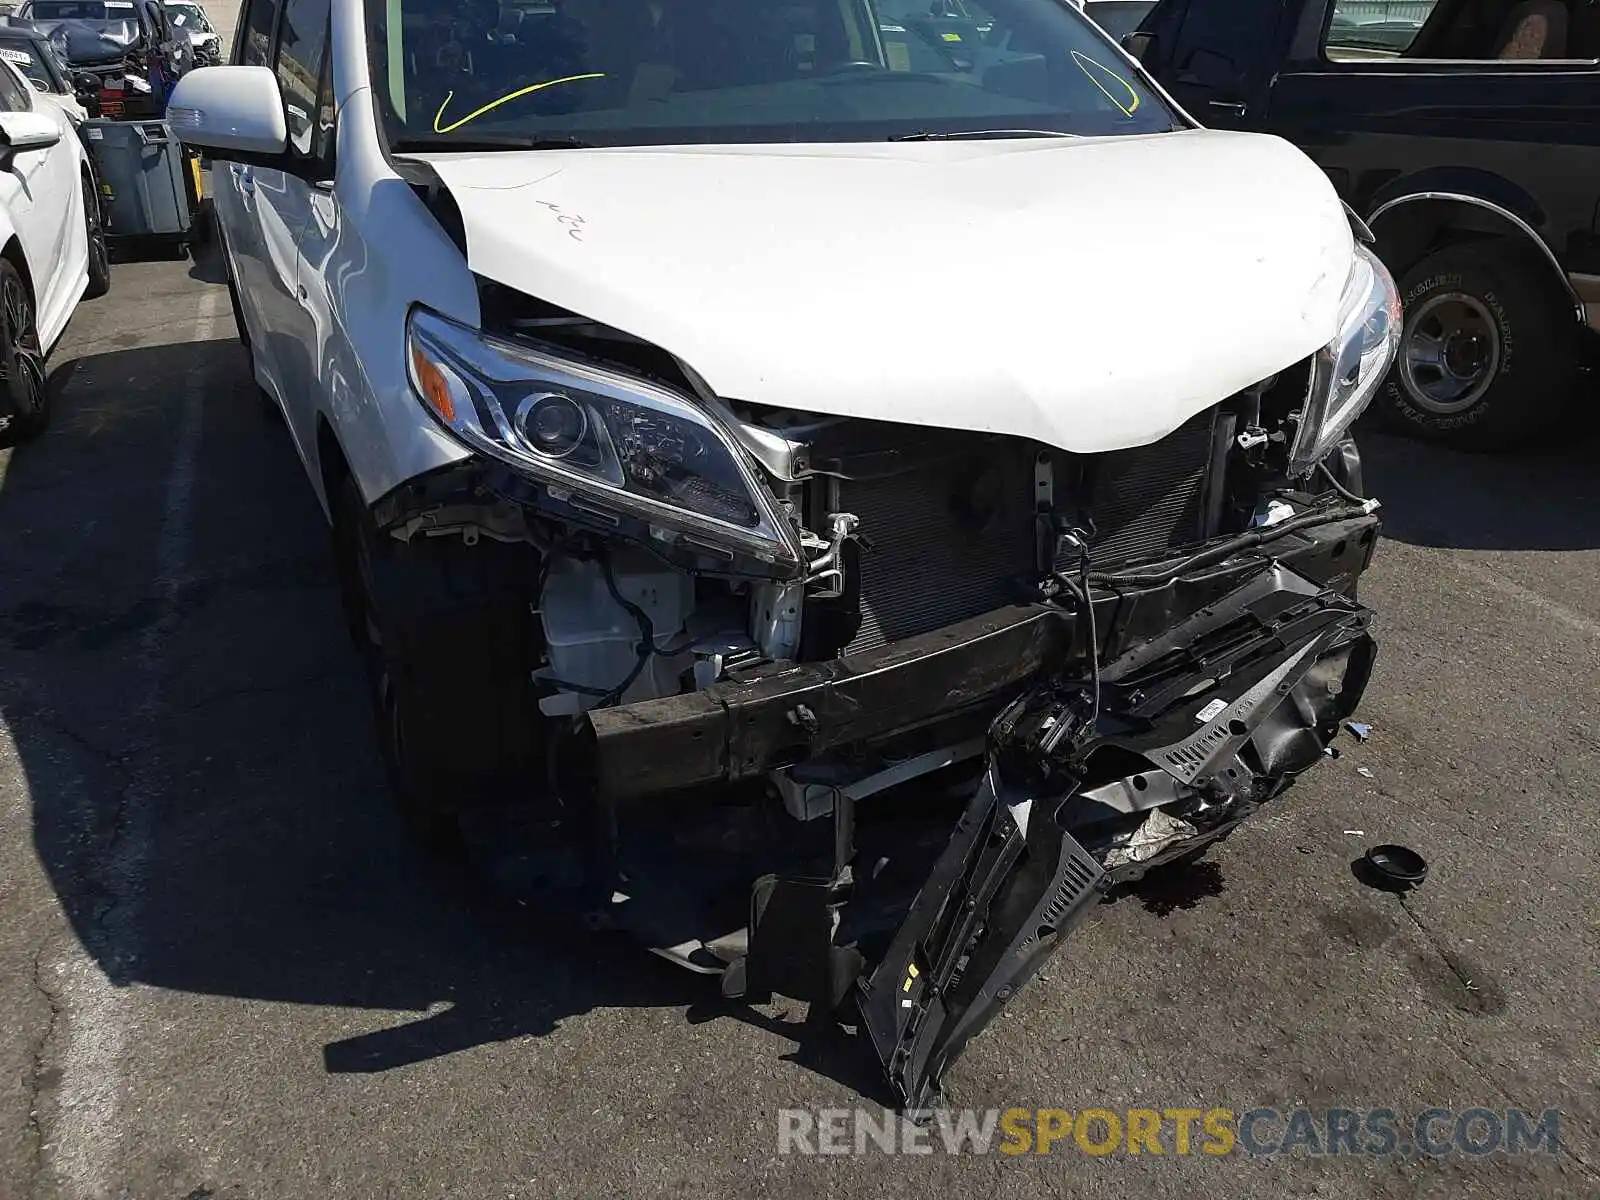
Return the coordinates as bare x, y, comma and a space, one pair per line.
1505, 31
1364, 29
1219, 43
302, 50
322, 138
254, 45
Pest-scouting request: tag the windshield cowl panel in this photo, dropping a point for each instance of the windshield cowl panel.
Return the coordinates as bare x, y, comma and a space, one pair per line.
696, 72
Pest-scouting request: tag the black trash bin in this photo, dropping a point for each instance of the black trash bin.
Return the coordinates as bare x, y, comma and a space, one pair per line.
141, 166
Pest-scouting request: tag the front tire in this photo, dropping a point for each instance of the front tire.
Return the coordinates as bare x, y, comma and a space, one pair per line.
444, 633
1489, 353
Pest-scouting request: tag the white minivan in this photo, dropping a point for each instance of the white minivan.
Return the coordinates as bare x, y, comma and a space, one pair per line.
859, 477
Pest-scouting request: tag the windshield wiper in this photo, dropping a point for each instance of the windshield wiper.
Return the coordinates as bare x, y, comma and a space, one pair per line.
483, 141
930, 135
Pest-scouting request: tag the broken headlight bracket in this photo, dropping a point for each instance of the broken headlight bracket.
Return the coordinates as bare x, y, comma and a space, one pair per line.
825, 574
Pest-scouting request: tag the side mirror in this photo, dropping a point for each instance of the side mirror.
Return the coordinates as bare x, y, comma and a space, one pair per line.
21, 131
1138, 44
229, 108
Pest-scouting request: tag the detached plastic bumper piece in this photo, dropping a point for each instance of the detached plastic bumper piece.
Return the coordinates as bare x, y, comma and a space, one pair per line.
1092, 783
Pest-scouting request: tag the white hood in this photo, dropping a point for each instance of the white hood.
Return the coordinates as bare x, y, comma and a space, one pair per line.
1091, 294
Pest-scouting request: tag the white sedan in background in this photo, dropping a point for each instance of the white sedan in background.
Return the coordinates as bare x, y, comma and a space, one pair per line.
191, 20
52, 245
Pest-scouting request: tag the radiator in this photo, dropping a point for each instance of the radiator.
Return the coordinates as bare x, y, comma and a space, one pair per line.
1149, 499
956, 540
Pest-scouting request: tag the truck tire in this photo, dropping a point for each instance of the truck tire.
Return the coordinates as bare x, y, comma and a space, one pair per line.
1489, 353
448, 643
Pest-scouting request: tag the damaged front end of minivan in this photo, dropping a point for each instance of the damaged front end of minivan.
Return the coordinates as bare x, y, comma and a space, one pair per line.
860, 712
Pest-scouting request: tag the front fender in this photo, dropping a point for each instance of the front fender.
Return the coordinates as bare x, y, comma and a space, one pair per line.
363, 287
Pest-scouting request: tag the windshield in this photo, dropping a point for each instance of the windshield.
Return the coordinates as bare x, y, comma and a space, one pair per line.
80, 10
186, 16
629, 72
27, 59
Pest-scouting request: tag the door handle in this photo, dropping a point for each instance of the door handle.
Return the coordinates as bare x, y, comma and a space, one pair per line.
1236, 107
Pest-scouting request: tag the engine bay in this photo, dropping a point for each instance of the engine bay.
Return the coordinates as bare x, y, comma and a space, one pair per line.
905, 530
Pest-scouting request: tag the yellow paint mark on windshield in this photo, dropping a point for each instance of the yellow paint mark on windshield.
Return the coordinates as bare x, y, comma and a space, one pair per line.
438, 119
1096, 72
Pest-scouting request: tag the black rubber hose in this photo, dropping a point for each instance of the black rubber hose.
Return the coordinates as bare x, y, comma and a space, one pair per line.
1244, 541
1339, 487
647, 637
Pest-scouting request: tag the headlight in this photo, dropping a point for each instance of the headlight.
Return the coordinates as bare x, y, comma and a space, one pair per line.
620, 445
1347, 372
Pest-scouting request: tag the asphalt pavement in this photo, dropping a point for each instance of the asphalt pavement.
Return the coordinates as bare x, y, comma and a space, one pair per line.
224, 972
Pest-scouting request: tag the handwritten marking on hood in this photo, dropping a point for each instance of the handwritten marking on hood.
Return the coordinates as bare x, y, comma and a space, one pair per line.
572, 222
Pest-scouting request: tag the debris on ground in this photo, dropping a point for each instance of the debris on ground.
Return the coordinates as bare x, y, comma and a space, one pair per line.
1158, 832
1364, 772
1362, 732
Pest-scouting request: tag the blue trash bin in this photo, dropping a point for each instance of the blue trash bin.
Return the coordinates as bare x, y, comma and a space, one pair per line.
141, 169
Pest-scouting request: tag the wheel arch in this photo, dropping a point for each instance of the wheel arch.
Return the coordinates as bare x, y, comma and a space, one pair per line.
333, 467
1414, 224
90, 181
11, 250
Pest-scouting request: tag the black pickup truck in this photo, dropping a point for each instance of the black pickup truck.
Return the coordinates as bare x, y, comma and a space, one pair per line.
1467, 134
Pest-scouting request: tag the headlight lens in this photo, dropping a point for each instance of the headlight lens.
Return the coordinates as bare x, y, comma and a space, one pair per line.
1347, 372
623, 444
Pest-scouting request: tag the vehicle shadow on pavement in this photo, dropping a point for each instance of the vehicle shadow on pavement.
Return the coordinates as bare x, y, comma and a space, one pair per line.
208, 268
1547, 499
193, 734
